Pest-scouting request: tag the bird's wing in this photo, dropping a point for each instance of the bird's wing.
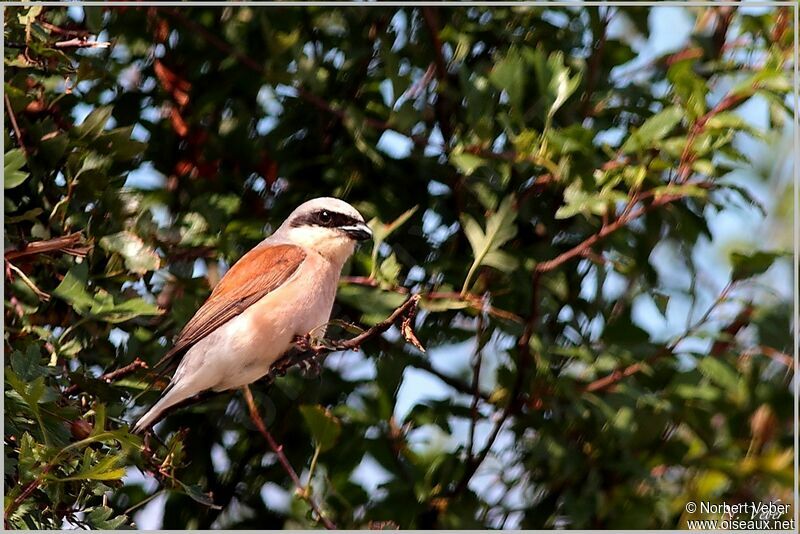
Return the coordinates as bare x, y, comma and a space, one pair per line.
260, 271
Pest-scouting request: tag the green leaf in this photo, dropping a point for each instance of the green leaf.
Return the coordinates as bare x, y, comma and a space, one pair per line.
324, 426
93, 124
689, 87
508, 74
104, 469
30, 15
501, 260
500, 229
27, 366
389, 270
577, 201
381, 231
465, 162
555, 83
374, 302
103, 518
654, 129
74, 289
12, 175
196, 493
765, 79
139, 258
684, 190
750, 265
718, 372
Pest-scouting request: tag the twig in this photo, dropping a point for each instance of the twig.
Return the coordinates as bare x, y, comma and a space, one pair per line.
774, 354
594, 63
64, 243
581, 248
618, 374
62, 31
26, 491
688, 156
278, 450
81, 42
524, 359
113, 376
14, 125
39, 293
476, 379
417, 87
253, 65
474, 301
440, 106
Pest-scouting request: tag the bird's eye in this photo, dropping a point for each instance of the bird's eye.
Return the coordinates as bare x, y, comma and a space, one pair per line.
325, 217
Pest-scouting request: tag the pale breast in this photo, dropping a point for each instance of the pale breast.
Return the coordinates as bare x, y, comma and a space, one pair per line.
243, 349
299, 306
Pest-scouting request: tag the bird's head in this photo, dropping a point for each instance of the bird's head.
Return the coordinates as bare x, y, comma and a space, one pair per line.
326, 225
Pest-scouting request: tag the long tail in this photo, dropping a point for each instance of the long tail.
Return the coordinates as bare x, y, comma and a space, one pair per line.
173, 396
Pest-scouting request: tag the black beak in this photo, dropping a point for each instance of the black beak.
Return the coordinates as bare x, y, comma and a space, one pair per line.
359, 232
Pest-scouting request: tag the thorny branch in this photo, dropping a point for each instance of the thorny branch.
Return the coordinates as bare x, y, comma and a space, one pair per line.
278, 450
406, 311
475, 302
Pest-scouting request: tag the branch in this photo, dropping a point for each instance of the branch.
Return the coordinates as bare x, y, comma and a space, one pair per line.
594, 64
477, 363
213, 39
524, 358
581, 248
81, 42
474, 301
406, 311
278, 450
26, 492
11, 268
440, 106
64, 244
113, 376
14, 125
252, 64
717, 348
67, 32
688, 156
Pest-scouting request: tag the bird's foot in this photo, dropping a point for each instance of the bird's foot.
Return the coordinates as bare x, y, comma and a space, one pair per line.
303, 343
311, 366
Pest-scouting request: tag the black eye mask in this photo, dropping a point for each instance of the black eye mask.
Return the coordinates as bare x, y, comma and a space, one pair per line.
325, 219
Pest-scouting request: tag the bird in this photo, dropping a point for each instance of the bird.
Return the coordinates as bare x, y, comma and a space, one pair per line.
281, 289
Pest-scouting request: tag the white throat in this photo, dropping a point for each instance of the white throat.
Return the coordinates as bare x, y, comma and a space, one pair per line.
331, 244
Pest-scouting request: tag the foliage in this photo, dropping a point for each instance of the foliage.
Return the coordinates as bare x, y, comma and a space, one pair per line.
520, 165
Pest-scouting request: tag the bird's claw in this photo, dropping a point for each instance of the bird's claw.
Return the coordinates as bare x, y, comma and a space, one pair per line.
303, 342
310, 366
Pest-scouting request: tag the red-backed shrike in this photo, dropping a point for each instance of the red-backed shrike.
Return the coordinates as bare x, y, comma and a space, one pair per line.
283, 288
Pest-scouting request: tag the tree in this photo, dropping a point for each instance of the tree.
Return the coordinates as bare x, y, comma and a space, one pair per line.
531, 174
